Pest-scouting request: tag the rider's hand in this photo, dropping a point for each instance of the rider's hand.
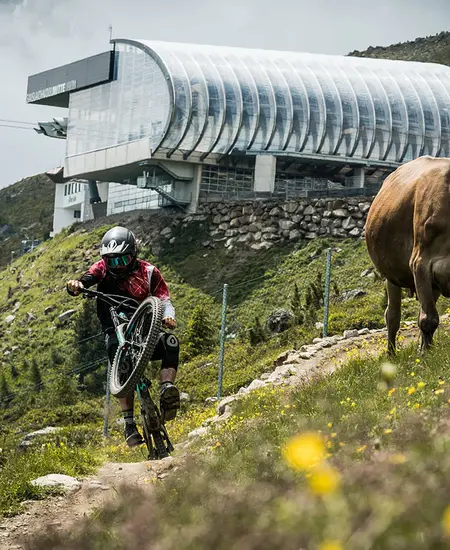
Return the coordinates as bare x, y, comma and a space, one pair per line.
169, 322
75, 286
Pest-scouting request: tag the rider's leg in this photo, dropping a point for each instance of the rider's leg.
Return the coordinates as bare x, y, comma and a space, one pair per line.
132, 435
168, 350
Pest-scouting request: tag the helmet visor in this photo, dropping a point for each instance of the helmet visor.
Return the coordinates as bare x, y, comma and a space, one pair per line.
118, 262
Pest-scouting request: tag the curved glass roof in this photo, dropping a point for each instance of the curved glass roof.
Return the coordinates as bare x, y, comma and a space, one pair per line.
223, 99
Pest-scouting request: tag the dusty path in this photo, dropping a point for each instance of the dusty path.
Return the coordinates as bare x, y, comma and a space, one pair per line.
63, 511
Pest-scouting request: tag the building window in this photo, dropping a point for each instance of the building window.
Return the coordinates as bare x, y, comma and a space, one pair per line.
227, 181
65, 190
77, 214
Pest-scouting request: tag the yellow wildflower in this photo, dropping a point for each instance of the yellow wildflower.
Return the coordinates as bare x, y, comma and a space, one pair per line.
417, 360
411, 390
324, 480
421, 385
334, 434
341, 444
330, 424
439, 392
416, 406
330, 545
446, 522
353, 404
413, 374
393, 411
391, 391
304, 451
388, 431
441, 382
361, 449
397, 459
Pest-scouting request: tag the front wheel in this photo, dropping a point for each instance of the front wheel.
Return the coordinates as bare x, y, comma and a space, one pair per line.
141, 335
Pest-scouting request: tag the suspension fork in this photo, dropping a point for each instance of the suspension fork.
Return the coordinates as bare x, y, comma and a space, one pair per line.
120, 324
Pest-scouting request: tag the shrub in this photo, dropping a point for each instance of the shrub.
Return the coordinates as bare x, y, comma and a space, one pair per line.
200, 332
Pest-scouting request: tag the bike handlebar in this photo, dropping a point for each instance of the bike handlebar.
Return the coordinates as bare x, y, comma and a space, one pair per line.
111, 299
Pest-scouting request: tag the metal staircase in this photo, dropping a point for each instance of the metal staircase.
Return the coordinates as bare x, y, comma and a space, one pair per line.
159, 179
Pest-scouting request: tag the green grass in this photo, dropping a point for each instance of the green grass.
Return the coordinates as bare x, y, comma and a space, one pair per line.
27, 206
389, 447
19, 468
432, 49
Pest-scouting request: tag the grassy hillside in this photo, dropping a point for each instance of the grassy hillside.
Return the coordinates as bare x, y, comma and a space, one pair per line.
432, 49
348, 462
36, 347
27, 207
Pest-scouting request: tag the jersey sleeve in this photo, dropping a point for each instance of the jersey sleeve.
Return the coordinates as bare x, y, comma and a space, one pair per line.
159, 288
93, 275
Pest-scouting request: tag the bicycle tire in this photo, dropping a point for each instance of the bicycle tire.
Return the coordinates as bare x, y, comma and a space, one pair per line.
121, 389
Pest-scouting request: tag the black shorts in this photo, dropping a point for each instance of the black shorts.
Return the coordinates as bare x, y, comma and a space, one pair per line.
167, 349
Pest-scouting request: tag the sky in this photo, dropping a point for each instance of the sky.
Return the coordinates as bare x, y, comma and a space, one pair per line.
36, 35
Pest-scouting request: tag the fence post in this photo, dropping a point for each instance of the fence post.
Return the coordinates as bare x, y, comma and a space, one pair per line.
222, 339
107, 400
327, 293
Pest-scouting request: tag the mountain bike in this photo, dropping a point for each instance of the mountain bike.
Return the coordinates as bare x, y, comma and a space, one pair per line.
137, 327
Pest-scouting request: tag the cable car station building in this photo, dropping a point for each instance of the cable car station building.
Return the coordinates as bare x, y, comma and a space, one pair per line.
154, 124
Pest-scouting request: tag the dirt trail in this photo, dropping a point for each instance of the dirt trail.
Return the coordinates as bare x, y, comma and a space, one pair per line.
63, 511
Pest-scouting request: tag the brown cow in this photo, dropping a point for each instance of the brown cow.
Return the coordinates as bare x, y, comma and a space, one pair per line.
408, 239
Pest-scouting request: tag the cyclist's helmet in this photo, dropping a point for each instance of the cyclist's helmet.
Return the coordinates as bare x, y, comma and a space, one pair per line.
119, 251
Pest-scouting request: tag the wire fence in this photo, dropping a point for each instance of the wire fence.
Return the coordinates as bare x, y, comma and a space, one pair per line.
284, 290
86, 367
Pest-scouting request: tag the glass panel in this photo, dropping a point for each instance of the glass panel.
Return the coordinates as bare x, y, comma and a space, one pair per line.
349, 108
316, 101
233, 105
267, 106
442, 95
399, 116
383, 116
430, 111
333, 107
134, 106
199, 101
300, 105
366, 109
216, 107
284, 107
250, 101
416, 123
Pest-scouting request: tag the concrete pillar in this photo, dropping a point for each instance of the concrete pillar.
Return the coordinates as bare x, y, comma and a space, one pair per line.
358, 178
93, 191
195, 186
265, 170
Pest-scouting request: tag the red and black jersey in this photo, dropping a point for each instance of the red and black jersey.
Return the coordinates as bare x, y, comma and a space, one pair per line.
144, 281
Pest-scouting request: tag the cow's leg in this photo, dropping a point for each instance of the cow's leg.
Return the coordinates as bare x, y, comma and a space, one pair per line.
393, 314
428, 316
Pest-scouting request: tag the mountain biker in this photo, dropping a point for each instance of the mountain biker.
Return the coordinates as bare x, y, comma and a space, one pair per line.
121, 272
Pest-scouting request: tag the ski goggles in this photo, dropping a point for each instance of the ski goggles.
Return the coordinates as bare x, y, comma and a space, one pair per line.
118, 261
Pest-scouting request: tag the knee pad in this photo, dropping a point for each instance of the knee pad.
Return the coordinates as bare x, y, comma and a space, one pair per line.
172, 351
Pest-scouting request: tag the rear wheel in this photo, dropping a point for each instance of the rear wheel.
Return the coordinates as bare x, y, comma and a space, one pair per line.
141, 335
155, 434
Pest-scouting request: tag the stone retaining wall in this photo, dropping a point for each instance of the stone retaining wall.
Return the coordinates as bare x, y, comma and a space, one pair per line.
261, 224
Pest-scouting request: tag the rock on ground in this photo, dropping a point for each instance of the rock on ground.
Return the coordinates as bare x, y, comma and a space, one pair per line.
57, 480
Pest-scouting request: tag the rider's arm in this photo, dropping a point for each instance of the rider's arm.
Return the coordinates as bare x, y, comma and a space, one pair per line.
92, 276
159, 288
